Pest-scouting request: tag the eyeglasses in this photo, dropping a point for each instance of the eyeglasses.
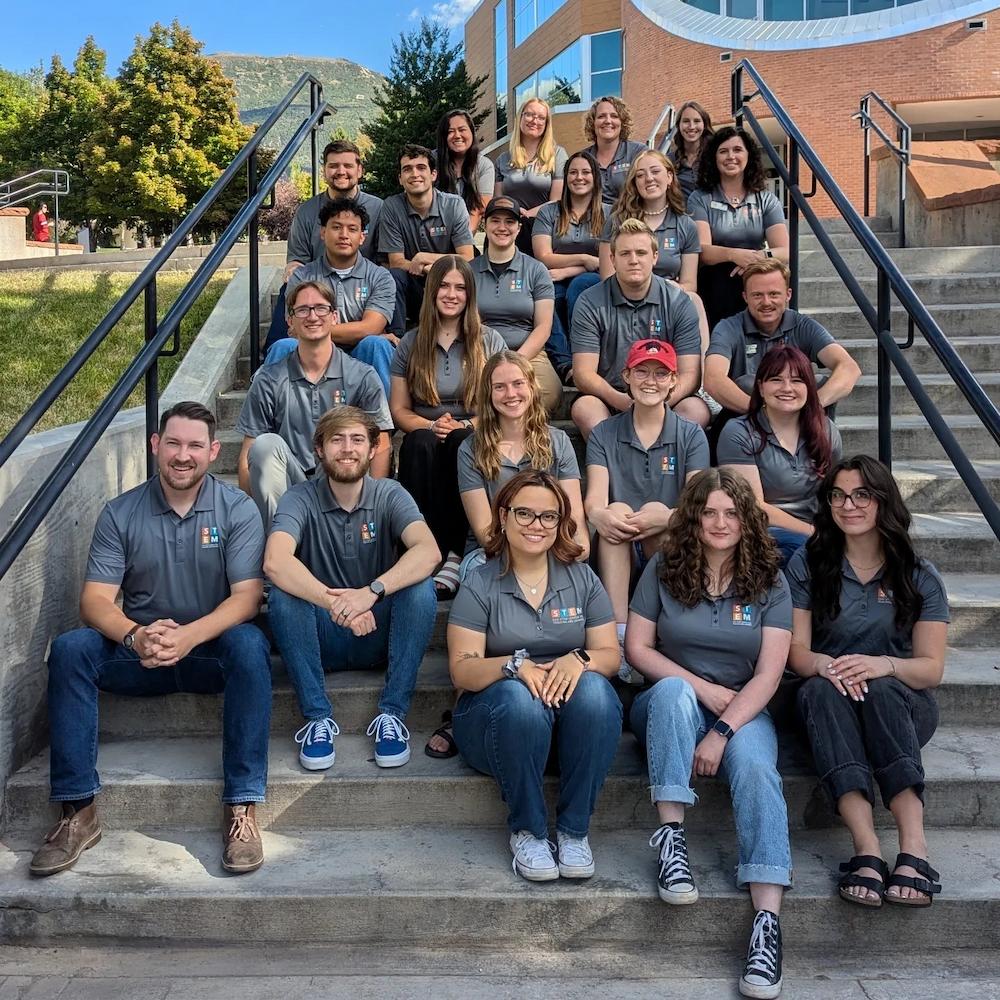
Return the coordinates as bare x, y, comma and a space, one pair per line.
526, 517
531, 116
860, 498
321, 310
658, 375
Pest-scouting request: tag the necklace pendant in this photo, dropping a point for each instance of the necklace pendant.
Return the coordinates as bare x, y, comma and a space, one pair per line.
534, 590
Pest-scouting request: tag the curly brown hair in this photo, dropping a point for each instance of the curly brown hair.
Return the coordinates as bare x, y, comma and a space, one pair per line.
755, 561
564, 548
623, 113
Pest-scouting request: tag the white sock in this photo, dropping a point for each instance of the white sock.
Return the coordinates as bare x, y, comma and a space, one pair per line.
620, 629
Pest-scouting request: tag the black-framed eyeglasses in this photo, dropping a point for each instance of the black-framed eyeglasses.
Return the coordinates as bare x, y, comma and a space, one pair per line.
321, 310
861, 498
527, 517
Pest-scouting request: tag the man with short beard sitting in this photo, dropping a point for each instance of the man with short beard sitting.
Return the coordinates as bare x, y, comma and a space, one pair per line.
340, 597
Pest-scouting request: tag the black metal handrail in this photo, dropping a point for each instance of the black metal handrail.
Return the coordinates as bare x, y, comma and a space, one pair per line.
890, 282
899, 149
46, 182
145, 363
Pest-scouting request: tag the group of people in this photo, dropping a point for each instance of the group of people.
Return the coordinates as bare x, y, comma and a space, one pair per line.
722, 545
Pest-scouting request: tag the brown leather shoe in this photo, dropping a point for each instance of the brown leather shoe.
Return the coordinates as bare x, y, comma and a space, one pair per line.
244, 851
67, 840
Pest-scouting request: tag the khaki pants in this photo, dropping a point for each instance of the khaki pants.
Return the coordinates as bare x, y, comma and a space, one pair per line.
548, 382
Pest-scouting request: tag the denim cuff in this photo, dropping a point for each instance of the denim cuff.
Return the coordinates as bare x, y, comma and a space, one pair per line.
672, 793
236, 800
902, 773
73, 796
767, 874
844, 778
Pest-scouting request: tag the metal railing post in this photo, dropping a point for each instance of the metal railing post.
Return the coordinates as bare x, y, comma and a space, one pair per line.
793, 219
152, 377
254, 248
904, 164
866, 132
884, 372
56, 230
313, 105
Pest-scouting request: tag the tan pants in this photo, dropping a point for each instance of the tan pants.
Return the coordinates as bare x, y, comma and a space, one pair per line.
548, 382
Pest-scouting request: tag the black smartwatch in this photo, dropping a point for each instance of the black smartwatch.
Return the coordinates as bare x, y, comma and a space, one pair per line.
377, 587
725, 731
583, 656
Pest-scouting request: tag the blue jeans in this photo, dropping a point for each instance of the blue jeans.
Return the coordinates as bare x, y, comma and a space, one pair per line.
505, 732
789, 542
375, 351
83, 662
279, 321
567, 292
310, 644
409, 298
669, 722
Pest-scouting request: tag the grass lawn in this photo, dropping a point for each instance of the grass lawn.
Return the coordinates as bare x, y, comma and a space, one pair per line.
46, 315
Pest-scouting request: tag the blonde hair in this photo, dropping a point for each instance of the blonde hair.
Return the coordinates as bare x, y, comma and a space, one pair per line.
629, 203
486, 440
545, 155
635, 227
771, 265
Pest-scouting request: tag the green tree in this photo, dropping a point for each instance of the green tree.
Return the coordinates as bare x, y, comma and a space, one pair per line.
21, 102
427, 77
171, 132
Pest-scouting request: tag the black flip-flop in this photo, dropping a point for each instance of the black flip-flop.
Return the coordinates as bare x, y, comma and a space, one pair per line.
444, 731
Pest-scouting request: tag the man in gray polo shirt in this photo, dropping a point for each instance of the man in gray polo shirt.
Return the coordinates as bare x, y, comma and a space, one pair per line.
364, 293
739, 342
418, 226
184, 552
340, 597
633, 304
287, 398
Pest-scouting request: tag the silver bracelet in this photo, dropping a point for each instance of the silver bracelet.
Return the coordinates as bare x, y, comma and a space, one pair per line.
891, 664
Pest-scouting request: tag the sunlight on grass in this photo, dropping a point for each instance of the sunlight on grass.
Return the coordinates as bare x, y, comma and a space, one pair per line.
46, 315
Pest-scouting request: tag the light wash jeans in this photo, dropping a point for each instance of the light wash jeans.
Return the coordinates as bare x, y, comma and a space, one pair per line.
669, 722
376, 351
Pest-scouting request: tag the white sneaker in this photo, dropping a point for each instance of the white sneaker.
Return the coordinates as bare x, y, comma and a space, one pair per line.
533, 857
576, 860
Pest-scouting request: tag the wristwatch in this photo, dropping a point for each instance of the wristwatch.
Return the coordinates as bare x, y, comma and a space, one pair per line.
724, 730
513, 666
582, 655
129, 641
377, 587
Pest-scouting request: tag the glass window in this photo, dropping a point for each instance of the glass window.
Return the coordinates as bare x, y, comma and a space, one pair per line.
782, 10
712, 6
524, 90
529, 14
825, 8
500, 54
742, 8
867, 6
606, 84
560, 82
605, 51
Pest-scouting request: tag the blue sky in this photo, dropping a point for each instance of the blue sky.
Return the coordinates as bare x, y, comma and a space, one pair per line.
363, 30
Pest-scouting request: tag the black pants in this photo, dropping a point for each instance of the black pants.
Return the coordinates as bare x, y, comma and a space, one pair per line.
523, 241
721, 292
409, 298
881, 736
428, 470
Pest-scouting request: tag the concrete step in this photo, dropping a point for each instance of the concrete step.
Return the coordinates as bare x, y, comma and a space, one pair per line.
844, 241
910, 260
913, 439
978, 351
146, 779
974, 601
942, 389
936, 486
452, 887
933, 289
955, 319
876, 223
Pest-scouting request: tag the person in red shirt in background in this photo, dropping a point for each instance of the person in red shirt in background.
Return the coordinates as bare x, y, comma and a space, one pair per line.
40, 224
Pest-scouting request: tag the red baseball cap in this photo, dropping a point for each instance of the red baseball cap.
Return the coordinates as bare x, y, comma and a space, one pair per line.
652, 350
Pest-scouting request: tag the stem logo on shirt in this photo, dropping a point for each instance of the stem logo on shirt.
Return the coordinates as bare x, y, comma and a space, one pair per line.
742, 614
209, 537
437, 230
655, 327
668, 466
339, 397
669, 242
361, 293
883, 596
751, 350
517, 284
566, 616
367, 531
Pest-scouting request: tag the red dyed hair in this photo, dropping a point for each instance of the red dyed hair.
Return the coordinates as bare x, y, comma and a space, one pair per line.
812, 418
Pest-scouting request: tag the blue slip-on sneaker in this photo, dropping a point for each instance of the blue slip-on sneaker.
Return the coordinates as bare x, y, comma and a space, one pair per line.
392, 740
316, 739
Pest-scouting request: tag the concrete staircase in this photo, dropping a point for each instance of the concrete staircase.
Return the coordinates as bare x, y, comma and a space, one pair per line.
418, 857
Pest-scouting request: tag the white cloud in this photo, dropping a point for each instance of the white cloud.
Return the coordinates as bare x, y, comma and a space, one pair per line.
414, 14
454, 13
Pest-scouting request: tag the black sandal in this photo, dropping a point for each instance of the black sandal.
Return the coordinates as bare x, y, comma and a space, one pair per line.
444, 731
865, 881
928, 884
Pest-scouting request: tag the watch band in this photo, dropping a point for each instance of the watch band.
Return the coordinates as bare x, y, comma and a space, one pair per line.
129, 640
583, 656
723, 729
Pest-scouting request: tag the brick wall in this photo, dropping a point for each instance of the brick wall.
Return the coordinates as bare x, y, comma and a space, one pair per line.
819, 87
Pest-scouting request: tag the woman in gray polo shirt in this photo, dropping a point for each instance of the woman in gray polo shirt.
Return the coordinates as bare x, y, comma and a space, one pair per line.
694, 129
531, 645
608, 126
870, 631
462, 169
783, 446
709, 627
432, 398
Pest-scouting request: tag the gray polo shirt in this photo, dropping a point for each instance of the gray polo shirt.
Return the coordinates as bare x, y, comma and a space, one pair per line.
578, 237
444, 229
743, 226
606, 323
720, 639
507, 302
675, 236
789, 481
470, 477
637, 476
176, 567
866, 623
281, 400
687, 177
738, 339
346, 548
614, 174
492, 603
530, 187
449, 373
305, 243
485, 178
368, 286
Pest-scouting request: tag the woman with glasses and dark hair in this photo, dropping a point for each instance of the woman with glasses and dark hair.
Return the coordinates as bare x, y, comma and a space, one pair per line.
870, 631
738, 220
709, 627
608, 126
784, 446
462, 170
531, 644
565, 239
694, 129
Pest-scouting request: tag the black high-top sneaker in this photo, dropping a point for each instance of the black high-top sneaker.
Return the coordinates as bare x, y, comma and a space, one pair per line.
674, 879
762, 973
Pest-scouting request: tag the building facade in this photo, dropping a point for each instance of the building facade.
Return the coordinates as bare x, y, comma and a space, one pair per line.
936, 63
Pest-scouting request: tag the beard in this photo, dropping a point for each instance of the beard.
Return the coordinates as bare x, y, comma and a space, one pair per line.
182, 479
341, 475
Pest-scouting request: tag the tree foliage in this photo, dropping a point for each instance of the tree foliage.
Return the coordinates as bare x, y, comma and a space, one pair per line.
427, 77
277, 221
21, 102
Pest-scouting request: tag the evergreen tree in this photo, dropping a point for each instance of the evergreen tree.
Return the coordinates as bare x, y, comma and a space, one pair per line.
427, 77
